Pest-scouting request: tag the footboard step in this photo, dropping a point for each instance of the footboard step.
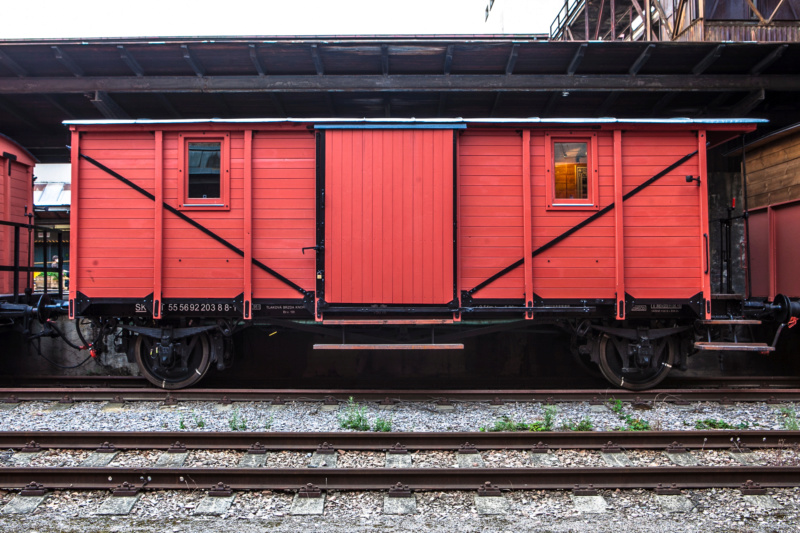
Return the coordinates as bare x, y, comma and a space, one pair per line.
388, 346
735, 346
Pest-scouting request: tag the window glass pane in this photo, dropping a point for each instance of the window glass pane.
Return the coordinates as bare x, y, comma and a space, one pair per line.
204, 171
571, 170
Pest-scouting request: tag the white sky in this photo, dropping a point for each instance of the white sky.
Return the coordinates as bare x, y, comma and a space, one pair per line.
33, 19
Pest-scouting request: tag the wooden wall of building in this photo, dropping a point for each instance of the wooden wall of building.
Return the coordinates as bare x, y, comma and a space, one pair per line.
773, 172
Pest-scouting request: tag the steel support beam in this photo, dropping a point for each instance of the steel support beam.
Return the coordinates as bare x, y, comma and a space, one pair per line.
708, 60
12, 65
320, 68
166, 104
398, 83
193, 61
641, 60
67, 61
747, 104
129, 60
256, 62
512, 59
63, 110
385, 59
448, 59
576, 59
765, 63
107, 106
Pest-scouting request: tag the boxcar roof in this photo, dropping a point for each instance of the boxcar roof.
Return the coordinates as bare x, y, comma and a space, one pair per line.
367, 122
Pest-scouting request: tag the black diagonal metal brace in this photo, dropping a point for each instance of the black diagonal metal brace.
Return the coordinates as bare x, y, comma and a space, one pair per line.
582, 224
196, 224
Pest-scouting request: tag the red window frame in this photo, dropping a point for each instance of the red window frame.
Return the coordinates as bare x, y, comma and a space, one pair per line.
223, 203
591, 201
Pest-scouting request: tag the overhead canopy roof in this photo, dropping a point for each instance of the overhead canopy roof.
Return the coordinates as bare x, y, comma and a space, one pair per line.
43, 82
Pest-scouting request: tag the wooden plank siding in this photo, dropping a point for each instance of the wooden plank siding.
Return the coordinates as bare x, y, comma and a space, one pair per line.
195, 265
582, 266
773, 172
663, 254
490, 211
284, 216
660, 247
118, 225
389, 216
115, 247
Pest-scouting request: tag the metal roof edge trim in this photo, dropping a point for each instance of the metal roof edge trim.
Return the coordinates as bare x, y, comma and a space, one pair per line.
419, 126
450, 122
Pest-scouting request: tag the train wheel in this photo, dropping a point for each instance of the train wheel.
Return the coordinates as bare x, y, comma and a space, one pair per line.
636, 376
188, 364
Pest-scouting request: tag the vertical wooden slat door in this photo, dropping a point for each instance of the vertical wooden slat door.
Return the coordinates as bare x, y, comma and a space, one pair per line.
389, 216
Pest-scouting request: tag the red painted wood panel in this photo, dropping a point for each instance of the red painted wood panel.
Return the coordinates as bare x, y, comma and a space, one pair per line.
663, 221
388, 216
585, 251
761, 275
186, 275
284, 211
105, 246
491, 235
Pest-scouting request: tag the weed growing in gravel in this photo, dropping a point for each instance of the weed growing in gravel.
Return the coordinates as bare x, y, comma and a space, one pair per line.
353, 417
549, 417
711, 423
381, 424
268, 423
237, 422
198, 420
582, 425
632, 423
789, 418
181, 424
506, 423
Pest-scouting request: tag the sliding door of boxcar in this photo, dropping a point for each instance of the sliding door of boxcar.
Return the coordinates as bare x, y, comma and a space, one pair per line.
389, 216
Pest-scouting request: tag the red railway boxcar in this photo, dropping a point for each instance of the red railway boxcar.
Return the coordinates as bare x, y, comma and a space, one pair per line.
184, 232
16, 202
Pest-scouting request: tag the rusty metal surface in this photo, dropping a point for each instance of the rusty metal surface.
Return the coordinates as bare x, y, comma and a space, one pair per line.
415, 478
742, 394
122, 440
739, 32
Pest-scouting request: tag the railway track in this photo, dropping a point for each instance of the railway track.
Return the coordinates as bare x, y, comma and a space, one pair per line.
105, 478
372, 441
128, 394
469, 445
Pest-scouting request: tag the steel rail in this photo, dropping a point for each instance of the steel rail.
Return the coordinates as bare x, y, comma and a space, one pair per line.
105, 478
589, 440
266, 395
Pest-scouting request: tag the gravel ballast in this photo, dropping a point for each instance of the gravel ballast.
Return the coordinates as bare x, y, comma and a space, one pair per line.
173, 511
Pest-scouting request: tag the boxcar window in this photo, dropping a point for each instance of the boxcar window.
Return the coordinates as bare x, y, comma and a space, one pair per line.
571, 170
204, 170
